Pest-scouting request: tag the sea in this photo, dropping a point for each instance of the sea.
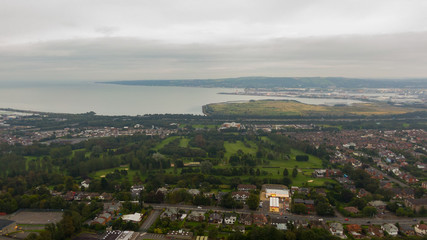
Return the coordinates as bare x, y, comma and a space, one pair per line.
112, 99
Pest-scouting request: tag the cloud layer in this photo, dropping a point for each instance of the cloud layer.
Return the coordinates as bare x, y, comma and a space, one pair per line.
166, 39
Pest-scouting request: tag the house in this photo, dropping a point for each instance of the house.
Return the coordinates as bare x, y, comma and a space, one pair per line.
215, 218
69, 196
352, 210
135, 190
196, 216
246, 187
98, 220
424, 185
106, 196
240, 196
180, 234
80, 196
274, 204
362, 193
92, 196
420, 229
7, 226
336, 229
403, 193
85, 183
106, 216
259, 219
308, 203
355, 230
162, 190
321, 192
112, 208
238, 228
319, 173
391, 229
194, 192
407, 230
230, 218
245, 219
171, 213
416, 204
280, 223
379, 205
375, 231
386, 184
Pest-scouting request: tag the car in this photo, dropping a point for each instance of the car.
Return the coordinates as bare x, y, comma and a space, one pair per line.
368, 222
199, 207
320, 219
414, 220
346, 219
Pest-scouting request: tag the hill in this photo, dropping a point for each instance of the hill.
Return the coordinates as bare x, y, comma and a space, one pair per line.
283, 82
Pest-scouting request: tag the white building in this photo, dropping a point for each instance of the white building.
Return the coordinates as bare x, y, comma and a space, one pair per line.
274, 204
136, 217
277, 193
391, 229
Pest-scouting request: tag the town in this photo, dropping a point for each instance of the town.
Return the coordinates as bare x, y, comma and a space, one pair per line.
214, 180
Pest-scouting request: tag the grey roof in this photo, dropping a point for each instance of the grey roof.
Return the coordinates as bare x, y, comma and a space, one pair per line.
4, 223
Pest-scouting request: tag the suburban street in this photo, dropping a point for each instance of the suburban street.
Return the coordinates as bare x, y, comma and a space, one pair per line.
294, 217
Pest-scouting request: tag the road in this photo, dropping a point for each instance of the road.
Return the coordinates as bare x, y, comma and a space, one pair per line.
294, 217
149, 221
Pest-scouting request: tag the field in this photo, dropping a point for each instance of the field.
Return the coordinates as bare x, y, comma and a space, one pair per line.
164, 142
36, 218
102, 173
294, 108
232, 148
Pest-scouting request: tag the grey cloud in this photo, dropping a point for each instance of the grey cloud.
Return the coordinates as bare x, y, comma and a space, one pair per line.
114, 58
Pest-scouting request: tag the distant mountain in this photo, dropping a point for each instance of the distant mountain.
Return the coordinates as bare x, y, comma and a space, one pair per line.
283, 82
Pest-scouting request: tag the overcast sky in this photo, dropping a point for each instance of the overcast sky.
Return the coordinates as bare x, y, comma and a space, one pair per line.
177, 39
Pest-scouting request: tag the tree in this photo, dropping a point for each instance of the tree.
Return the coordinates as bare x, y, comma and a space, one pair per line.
206, 167
253, 201
285, 172
294, 172
323, 208
301, 158
299, 208
287, 181
369, 211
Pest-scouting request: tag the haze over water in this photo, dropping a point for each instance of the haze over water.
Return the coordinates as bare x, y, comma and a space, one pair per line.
109, 99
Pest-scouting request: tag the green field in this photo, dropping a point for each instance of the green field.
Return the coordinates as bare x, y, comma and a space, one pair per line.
293, 108
102, 173
165, 142
232, 148
184, 142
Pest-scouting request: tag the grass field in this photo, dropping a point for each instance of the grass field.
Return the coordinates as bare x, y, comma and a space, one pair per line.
184, 142
164, 142
232, 148
102, 173
294, 108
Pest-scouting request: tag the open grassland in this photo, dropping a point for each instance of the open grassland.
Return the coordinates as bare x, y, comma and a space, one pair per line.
293, 108
164, 142
232, 148
104, 172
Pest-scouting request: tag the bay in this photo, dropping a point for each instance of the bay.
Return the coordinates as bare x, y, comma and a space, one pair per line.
109, 99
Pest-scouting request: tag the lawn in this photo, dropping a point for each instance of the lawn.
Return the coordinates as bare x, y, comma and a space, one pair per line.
165, 142
232, 148
313, 162
184, 142
102, 173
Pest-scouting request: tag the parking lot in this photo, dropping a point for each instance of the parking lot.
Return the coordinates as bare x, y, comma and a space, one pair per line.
31, 217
